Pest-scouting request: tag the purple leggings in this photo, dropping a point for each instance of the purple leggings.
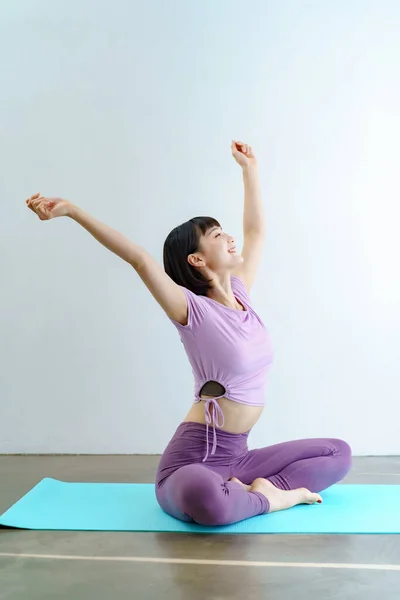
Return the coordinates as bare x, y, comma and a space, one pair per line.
191, 490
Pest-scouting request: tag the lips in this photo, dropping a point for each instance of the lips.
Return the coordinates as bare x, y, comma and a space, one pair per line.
232, 250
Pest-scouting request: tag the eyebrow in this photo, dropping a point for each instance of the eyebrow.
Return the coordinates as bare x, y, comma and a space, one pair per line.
213, 229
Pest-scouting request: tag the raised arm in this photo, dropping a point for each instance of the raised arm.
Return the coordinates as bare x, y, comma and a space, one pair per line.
166, 292
253, 214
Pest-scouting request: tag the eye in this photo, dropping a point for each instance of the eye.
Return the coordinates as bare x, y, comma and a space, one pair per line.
218, 234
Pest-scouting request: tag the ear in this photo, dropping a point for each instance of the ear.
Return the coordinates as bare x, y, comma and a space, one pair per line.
195, 260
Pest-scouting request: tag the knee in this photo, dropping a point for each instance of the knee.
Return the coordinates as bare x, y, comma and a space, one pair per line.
201, 497
342, 448
343, 452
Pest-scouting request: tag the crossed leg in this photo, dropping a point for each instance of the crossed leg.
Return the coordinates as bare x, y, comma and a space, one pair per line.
204, 494
315, 464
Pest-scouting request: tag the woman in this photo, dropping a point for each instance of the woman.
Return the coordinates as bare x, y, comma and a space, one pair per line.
207, 474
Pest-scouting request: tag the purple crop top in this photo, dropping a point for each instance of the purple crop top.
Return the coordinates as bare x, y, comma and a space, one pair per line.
229, 346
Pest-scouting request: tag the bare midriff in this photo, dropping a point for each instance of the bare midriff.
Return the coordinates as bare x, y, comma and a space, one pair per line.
239, 418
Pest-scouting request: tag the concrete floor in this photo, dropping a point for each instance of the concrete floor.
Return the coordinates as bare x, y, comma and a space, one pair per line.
37, 578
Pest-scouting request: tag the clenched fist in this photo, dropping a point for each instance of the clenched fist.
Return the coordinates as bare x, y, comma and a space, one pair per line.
243, 154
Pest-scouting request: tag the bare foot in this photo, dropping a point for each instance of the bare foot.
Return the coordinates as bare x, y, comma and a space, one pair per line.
283, 499
236, 480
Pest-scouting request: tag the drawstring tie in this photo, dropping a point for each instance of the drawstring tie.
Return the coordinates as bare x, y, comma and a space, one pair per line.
216, 418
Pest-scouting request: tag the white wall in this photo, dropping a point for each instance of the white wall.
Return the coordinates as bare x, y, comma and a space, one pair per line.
128, 108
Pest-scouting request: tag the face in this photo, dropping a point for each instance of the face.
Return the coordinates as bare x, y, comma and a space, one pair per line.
218, 253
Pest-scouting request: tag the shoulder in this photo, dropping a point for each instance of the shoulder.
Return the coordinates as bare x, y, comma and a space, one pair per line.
197, 310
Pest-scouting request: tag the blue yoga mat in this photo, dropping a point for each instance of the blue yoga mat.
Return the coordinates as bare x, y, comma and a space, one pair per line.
59, 505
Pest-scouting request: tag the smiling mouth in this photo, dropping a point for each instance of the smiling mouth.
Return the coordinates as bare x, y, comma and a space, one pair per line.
232, 250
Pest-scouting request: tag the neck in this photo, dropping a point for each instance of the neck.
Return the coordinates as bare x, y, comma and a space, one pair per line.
221, 291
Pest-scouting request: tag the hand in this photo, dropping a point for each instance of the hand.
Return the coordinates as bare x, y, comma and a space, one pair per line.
49, 208
243, 154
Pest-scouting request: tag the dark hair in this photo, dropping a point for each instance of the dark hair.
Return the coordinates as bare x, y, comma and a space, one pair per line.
182, 241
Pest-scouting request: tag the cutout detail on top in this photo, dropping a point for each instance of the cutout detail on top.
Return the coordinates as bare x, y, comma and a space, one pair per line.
212, 388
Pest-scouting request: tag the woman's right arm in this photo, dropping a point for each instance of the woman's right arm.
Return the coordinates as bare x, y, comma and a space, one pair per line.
167, 293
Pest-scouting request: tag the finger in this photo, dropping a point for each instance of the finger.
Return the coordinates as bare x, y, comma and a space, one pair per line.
33, 208
35, 203
42, 204
42, 213
37, 207
34, 197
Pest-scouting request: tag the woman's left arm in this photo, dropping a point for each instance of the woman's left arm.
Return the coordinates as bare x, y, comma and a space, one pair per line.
253, 214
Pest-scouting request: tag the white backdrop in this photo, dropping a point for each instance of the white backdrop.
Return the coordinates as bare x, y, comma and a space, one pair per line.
128, 109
